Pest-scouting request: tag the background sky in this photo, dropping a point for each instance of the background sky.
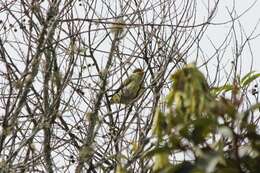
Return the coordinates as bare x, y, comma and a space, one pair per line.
249, 21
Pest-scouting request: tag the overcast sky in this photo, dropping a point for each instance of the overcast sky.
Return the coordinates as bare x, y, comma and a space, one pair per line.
249, 20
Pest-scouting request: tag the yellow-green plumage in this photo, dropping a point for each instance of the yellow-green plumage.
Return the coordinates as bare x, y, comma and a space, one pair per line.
131, 88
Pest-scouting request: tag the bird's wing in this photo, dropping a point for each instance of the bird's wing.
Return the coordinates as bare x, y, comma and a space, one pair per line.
125, 83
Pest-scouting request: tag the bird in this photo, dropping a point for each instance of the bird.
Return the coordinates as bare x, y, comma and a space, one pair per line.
130, 89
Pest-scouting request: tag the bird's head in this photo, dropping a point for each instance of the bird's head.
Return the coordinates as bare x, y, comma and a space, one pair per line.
138, 74
139, 71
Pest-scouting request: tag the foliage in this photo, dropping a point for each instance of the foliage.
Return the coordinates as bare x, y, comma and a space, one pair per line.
219, 136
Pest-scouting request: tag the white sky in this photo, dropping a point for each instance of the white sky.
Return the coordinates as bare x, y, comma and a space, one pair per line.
248, 21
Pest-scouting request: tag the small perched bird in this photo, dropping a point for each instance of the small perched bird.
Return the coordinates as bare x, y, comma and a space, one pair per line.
130, 89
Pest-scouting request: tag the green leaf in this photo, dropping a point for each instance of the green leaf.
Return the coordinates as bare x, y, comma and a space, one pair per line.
248, 78
221, 89
157, 150
202, 128
227, 170
209, 161
185, 167
251, 164
161, 161
159, 124
170, 98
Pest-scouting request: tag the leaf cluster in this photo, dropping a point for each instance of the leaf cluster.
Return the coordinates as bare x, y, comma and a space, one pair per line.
214, 131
